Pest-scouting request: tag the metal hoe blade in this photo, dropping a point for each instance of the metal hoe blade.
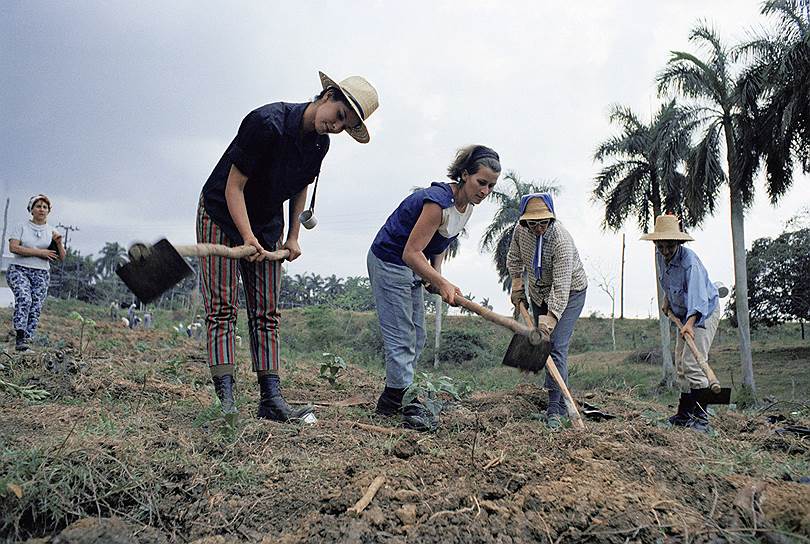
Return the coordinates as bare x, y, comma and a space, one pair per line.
524, 355
708, 396
153, 270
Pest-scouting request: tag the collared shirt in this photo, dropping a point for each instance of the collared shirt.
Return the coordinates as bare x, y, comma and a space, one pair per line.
279, 163
687, 286
389, 244
562, 270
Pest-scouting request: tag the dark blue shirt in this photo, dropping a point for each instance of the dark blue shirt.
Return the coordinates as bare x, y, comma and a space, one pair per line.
392, 237
279, 163
686, 283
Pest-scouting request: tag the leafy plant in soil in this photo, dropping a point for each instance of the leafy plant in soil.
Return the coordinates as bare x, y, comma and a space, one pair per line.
331, 367
85, 322
428, 389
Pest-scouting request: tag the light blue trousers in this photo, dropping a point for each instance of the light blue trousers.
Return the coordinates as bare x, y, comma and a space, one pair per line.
400, 302
560, 340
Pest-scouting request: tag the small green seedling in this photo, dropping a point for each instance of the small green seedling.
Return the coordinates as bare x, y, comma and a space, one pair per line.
331, 367
427, 389
84, 322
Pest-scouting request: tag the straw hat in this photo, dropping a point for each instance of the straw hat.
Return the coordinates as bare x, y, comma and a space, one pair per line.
536, 209
667, 228
362, 97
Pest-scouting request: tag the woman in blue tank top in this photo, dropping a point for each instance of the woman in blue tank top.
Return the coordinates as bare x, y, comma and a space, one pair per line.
407, 253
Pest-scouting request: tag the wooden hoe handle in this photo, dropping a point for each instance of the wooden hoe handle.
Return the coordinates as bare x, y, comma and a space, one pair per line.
502, 320
238, 252
573, 410
704, 365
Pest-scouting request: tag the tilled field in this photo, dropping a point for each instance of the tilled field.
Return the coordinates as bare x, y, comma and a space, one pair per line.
129, 447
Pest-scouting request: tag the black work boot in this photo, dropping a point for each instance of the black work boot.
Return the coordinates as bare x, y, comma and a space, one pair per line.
272, 404
417, 417
390, 402
698, 417
224, 385
685, 405
21, 344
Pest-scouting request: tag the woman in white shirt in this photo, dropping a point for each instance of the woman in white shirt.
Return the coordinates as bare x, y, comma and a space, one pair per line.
34, 245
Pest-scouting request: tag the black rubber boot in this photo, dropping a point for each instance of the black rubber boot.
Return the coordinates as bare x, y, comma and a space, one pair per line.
390, 402
272, 404
415, 416
698, 417
21, 344
224, 386
685, 405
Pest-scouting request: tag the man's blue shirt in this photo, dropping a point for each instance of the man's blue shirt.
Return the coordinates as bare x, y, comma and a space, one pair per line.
687, 285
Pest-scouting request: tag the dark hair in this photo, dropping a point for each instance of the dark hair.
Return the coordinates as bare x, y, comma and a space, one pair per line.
470, 159
337, 94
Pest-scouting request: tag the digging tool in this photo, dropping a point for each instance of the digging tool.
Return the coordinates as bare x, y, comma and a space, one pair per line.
515, 349
714, 385
152, 270
536, 340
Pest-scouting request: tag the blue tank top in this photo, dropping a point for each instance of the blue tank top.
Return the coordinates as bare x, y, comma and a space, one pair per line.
390, 241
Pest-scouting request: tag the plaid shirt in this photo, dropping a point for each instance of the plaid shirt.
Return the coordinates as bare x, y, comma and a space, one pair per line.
562, 269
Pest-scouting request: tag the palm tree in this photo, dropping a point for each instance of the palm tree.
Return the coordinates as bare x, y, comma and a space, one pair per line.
720, 106
498, 235
112, 254
643, 179
776, 90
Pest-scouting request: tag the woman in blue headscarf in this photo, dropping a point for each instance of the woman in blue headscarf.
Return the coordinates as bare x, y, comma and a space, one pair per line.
543, 249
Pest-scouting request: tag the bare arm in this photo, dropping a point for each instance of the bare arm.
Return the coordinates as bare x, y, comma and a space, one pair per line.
235, 198
426, 226
16, 247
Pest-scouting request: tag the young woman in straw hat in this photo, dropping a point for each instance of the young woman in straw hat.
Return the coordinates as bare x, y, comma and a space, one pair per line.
276, 154
34, 245
557, 284
407, 253
694, 299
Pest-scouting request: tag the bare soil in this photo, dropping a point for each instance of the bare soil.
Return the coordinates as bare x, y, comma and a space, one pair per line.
129, 448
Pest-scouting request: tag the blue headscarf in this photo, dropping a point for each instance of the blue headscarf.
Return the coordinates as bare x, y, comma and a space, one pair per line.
537, 263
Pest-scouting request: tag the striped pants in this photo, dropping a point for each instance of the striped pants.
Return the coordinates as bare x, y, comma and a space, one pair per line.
219, 279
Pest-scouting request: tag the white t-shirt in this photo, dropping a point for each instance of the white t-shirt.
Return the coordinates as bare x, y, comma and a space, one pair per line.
32, 235
453, 221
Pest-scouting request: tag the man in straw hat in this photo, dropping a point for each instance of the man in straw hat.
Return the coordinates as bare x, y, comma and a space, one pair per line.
276, 154
557, 284
693, 299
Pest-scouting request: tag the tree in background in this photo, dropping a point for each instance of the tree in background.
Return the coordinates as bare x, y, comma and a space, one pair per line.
112, 255
724, 120
778, 289
498, 235
642, 178
776, 91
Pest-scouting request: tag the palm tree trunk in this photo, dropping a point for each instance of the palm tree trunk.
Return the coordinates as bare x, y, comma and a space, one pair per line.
740, 270
667, 367
741, 290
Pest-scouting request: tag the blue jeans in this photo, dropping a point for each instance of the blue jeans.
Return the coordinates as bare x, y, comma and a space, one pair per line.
560, 340
400, 302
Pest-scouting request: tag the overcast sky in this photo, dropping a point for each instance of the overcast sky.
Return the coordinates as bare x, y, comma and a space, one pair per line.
119, 111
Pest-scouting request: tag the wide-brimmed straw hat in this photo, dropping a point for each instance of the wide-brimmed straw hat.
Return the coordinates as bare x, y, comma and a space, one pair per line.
363, 98
667, 228
536, 208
